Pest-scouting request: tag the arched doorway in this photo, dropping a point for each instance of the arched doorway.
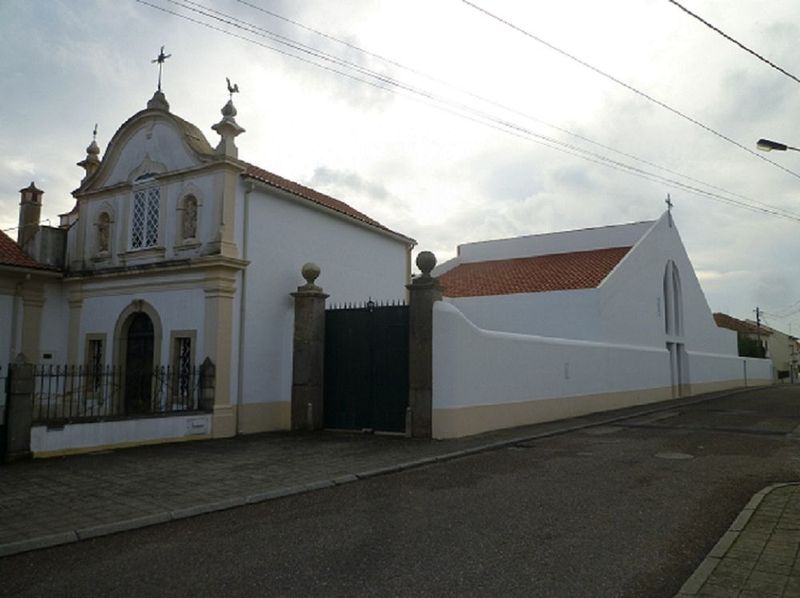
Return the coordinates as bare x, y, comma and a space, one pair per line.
139, 344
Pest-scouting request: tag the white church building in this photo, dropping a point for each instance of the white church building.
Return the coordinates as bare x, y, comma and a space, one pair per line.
556, 325
177, 251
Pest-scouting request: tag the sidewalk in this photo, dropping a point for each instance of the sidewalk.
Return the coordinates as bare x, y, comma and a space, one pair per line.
758, 556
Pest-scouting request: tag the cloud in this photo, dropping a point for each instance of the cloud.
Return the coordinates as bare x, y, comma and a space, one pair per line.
346, 183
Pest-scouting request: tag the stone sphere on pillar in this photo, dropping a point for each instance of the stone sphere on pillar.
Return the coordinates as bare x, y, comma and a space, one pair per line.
310, 272
426, 262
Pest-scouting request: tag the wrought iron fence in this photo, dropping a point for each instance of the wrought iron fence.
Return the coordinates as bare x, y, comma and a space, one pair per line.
85, 393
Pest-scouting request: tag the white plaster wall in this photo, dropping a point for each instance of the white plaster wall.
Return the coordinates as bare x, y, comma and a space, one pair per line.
472, 366
54, 327
178, 309
564, 314
711, 367
283, 234
475, 367
561, 242
109, 433
8, 343
207, 187
631, 303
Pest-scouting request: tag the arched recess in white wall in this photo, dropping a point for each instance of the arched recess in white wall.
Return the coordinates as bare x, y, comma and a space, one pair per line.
673, 300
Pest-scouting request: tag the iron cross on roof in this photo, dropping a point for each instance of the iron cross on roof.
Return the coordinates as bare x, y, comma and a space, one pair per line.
160, 60
668, 201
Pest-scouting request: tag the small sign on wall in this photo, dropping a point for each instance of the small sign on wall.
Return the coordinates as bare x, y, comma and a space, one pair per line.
196, 426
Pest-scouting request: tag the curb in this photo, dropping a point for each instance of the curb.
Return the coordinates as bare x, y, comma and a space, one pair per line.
69, 537
695, 582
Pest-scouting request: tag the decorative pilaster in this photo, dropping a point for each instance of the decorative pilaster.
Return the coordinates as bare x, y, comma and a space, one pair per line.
309, 353
220, 290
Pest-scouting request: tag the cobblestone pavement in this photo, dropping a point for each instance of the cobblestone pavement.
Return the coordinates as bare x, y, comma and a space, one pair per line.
759, 556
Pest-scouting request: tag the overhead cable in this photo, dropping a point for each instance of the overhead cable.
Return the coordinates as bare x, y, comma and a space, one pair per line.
627, 86
387, 83
732, 40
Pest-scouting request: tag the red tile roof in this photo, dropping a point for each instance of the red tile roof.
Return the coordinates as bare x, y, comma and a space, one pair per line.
327, 201
12, 255
554, 272
731, 323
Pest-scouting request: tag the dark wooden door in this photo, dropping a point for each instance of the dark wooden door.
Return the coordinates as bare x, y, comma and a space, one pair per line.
139, 364
366, 368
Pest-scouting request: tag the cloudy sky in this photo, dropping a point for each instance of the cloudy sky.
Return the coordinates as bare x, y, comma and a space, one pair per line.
477, 135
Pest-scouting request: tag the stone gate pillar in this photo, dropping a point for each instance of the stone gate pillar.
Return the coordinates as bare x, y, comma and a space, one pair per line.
424, 291
19, 409
309, 352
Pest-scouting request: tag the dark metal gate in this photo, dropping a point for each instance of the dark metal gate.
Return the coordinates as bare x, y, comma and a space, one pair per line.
366, 368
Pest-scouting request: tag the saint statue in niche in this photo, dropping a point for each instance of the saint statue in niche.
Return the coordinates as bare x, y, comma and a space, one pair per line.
103, 232
190, 218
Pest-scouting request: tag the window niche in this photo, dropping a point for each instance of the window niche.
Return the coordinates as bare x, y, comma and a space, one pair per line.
103, 235
188, 221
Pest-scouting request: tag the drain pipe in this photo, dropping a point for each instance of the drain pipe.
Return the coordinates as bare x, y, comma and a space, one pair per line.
243, 307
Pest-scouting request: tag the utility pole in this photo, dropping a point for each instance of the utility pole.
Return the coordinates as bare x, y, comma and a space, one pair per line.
758, 331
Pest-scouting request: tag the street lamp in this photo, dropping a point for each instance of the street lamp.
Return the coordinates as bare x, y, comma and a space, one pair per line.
765, 145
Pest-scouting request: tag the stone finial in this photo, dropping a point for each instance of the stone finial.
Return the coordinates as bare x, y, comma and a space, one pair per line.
158, 102
426, 262
92, 160
228, 128
310, 272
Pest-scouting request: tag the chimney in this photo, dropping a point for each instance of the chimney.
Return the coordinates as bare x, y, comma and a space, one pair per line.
30, 211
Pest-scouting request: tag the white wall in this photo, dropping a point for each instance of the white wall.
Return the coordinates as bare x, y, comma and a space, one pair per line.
536, 313
631, 303
473, 366
74, 437
356, 263
54, 327
623, 235
710, 367
178, 309
8, 344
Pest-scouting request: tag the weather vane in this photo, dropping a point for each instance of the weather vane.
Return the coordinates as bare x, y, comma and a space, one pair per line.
232, 89
160, 60
94, 133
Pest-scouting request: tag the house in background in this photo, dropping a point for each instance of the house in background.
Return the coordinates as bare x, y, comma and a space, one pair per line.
759, 340
752, 338
176, 252
555, 325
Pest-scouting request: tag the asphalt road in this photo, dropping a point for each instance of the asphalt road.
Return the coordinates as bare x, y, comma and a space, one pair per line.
625, 510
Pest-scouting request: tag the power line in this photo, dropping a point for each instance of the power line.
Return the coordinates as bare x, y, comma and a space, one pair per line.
481, 98
627, 86
731, 39
388, 84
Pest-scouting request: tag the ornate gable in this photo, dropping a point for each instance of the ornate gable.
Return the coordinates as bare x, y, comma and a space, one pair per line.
151, 142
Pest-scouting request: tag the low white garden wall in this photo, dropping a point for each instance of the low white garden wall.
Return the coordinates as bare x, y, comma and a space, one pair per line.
484, 380
83, 437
